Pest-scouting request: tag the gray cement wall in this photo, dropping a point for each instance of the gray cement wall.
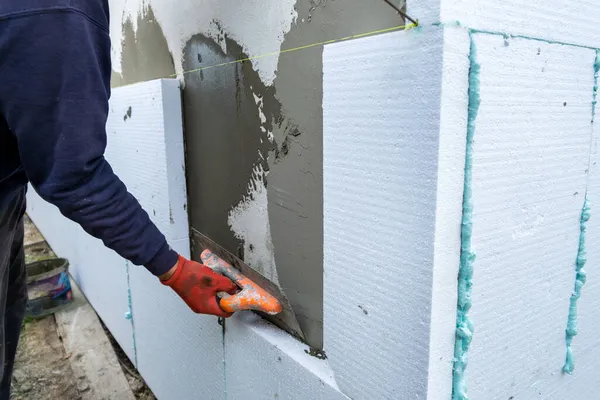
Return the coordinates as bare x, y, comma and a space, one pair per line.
253, 145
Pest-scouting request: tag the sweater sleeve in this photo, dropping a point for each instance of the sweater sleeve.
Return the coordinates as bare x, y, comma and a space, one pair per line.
54, 91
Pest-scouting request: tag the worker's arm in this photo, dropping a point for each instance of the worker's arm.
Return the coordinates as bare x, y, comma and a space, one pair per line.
54, 91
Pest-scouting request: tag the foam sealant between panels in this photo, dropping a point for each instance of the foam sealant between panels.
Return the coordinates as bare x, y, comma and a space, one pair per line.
580, 273
580, 278
129, 315
464, 325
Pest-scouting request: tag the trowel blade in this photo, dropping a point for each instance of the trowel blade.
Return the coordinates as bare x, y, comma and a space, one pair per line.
286, 319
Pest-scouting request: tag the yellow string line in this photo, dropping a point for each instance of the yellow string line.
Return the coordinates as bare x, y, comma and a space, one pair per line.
307, 46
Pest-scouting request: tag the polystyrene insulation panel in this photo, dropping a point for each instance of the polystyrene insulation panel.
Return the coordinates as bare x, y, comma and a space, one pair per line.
381, 123
530, 159
179, 353
264, 362
574, 22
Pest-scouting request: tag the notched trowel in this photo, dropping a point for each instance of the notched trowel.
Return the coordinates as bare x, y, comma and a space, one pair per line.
257, 292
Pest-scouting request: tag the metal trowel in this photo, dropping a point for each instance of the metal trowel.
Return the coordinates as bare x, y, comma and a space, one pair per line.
257, 292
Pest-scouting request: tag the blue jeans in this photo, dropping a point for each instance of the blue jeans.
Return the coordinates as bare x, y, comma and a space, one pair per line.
13, 284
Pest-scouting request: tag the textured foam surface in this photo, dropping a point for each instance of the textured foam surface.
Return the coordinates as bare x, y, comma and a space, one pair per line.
530, 156
99, 272
450, 184
171, 340
145, 148
179, 354
263, 362
381, 123
565, 21
586, 345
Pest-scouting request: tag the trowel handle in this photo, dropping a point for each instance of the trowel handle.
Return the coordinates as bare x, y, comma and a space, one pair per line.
250, 297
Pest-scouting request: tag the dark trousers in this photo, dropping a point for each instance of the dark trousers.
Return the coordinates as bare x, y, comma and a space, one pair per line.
13, 285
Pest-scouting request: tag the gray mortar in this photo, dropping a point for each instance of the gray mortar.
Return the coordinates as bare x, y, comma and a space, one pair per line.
145, 54
295, 189
223, 136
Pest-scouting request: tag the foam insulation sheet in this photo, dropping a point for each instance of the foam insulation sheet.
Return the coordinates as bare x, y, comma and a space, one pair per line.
145, 148
170, 339
450, 184
381, 115
267, 363
586, 345
99, 272
572, 22
530, 157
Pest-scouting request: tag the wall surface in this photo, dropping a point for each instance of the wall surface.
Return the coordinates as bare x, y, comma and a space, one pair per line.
145, 148
524, 303
441, 173
184, 356
381, 130
253, 130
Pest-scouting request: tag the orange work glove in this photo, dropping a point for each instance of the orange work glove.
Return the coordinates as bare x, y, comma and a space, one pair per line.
198, 286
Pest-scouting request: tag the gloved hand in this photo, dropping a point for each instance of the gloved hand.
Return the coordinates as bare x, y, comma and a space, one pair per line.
198, 286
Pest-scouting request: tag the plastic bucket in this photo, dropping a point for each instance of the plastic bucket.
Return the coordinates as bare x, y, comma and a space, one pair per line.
48, 286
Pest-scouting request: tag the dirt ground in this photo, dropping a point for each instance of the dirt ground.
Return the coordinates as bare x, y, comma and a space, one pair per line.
43, 370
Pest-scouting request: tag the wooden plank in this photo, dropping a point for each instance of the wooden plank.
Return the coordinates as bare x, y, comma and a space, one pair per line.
92, 357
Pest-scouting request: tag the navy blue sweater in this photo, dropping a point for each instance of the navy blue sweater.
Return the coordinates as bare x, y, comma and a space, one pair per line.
54, 89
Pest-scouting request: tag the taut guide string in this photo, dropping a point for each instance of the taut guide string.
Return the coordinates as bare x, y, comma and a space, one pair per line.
307, 46
414, 23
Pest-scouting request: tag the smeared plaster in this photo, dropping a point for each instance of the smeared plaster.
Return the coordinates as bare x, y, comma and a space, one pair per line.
249, 220
146, 55
228, 134
295, 184
257, 25
263, 119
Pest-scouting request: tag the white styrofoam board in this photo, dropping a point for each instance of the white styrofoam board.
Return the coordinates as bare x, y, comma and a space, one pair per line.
427, 12
264, 362
586, 344
170, 339
530, 158
180, 353
148, 147
146, 150
573, 22
381, 113
450, 185
99, 272
563, 21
